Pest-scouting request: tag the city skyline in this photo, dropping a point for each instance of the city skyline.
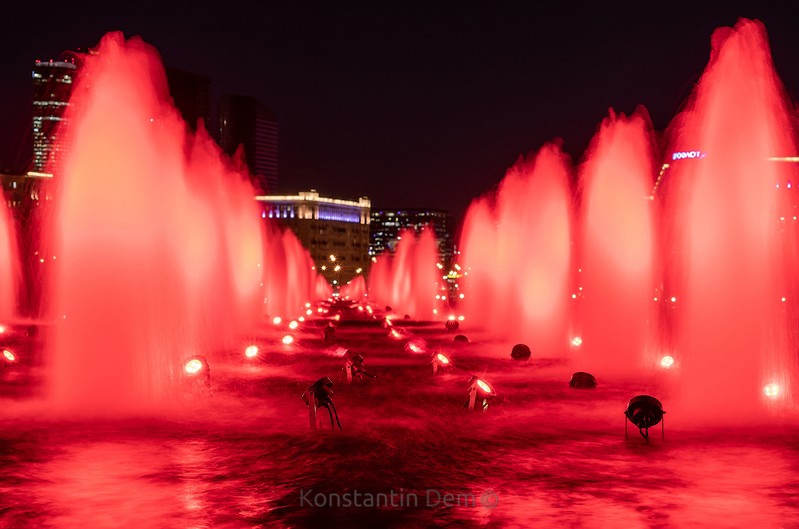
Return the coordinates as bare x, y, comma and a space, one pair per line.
416, 108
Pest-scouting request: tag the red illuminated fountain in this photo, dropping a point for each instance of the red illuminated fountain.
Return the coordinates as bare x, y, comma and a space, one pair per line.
671, 283
408, 280
616, 241
9, 267
290, 279
517, 250
733, 231
697, 276
355, 289
162, 253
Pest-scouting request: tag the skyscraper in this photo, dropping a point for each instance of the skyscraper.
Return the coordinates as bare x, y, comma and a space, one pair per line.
243, 121
52, 87
191, 95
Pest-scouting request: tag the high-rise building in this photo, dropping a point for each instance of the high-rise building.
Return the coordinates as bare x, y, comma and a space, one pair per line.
191, 95
335, 231
52, 87
245, 122
387, 224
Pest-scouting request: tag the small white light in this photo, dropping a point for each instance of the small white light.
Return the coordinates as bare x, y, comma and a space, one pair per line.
771, 390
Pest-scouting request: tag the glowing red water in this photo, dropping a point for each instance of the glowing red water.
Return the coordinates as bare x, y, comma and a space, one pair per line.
517, 253
290, 279
615, 282
161, 246
408, 281
355, 289
9, 266
735, 257
702, 270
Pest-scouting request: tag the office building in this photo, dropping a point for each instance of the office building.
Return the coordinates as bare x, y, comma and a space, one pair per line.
335, 231
191, 95
246, 123
52, 86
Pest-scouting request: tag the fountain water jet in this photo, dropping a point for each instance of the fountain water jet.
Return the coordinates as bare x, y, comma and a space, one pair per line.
517, 252
734, 256
10, 271
408, 280
290, 279
616, 247
160, 246
355, 289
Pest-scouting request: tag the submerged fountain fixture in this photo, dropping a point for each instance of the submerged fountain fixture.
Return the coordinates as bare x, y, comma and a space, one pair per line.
582, 380
440, 363
196, 368
354, 368
644, 412
480, 394
319, 395
8, 358
521, 352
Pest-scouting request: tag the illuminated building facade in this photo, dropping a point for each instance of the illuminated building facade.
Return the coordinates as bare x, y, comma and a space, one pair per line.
52, 87
335, 231
387, 223
245, 122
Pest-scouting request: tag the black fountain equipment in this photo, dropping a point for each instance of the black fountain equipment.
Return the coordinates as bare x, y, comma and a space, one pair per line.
480, 394
354, 367
452, 325
318, 395
196, 368
521, 352
8, 358
329, 333
644, 412
460, 338
582, 380
440, 363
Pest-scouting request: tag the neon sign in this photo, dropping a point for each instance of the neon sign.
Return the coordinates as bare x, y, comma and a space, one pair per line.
682, 155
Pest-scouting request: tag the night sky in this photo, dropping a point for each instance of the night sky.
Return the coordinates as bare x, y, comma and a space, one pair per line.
410, 104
